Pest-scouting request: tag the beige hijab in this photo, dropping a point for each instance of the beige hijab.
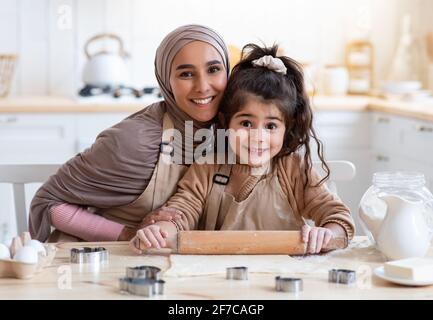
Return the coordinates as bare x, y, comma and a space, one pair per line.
116, 169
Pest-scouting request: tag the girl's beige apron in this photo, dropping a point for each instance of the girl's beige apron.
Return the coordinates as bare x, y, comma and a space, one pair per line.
265, 208
161, 186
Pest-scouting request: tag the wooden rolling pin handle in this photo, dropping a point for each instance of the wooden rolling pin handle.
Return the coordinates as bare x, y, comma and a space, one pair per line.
247, 242
242, 242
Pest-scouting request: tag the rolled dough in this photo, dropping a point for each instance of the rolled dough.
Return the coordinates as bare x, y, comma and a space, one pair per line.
200, 265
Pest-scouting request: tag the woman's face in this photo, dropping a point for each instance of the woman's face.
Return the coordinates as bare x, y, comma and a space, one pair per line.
257, 132
198, 79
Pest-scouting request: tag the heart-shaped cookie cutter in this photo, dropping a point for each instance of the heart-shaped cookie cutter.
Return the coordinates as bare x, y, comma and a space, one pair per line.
89, 255
344, 276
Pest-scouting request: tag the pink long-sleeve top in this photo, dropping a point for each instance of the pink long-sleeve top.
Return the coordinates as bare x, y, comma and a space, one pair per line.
70, 219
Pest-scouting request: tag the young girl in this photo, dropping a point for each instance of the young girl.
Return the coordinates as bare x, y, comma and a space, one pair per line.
272, 185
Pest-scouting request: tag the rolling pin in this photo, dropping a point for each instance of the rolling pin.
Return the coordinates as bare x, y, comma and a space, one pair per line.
244, 242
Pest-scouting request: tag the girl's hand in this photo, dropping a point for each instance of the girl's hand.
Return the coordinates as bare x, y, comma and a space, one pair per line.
151, 237
317, 238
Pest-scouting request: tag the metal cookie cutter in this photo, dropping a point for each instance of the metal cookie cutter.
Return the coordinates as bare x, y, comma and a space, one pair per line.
141, 286
237, 273
89, 255
142, 281
289, 284
342, 276
143, 272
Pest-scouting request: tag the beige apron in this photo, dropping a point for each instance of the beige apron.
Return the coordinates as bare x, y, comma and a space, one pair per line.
161, 187
265, 208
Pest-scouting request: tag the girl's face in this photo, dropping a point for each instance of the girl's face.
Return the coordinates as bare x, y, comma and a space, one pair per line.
257, 132
198, 79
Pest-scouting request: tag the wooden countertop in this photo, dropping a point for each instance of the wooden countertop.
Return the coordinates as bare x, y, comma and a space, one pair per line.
421, 111
416, 110
52, 104
89, 282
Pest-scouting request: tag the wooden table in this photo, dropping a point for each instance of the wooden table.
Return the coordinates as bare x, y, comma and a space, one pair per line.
63, 280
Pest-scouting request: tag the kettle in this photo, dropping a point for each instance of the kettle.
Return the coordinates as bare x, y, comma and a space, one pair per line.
103, 68
403, 231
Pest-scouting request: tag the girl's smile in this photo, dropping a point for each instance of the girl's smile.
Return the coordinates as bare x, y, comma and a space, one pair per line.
257, 132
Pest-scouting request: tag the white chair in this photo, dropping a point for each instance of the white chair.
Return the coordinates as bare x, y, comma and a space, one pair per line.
341, 170
19, 175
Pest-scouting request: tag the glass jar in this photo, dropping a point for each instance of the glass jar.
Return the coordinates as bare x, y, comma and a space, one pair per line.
407, 185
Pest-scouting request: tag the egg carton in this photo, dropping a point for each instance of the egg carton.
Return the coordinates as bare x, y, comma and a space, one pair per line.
10, 268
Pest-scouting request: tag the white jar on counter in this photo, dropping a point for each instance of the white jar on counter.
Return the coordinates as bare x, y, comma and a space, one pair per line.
360, 81
396, 213
335, 80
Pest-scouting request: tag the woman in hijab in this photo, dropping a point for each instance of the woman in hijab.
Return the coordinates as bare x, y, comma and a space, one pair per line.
105, 192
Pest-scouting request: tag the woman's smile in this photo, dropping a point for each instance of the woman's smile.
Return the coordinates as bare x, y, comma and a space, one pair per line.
203, 102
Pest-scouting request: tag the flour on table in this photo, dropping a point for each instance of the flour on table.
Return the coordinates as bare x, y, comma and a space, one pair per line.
200, 265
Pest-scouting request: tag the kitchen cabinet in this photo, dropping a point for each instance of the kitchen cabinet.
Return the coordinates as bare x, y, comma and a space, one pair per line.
45, 138
342, 129
386, 131
89, 126
346, 136
402, 144
36, 138
418, 141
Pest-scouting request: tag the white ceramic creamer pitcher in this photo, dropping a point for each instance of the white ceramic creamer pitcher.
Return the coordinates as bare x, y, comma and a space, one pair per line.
404, 232
396, 213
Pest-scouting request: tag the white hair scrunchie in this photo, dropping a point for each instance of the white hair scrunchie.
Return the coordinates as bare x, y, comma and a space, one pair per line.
274, 64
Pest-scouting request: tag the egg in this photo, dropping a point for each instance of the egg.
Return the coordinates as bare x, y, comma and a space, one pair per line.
26, 254
37, 245
4, 252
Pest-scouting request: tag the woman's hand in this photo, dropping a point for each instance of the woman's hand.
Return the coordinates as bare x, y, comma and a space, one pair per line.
160, 214
127, 234
316, 237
